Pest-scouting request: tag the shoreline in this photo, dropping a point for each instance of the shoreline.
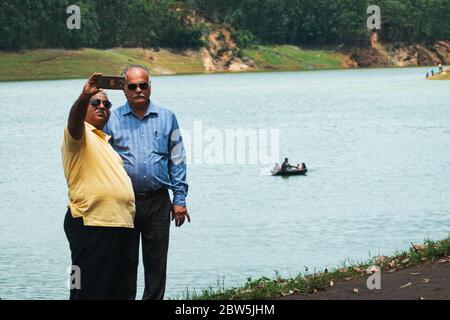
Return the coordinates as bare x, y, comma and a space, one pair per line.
61, 64
236, 73
418, 272
82, 77
445, 75
427, 281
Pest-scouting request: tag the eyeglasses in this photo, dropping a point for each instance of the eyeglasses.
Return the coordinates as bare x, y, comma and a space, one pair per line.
96, 103
142, 86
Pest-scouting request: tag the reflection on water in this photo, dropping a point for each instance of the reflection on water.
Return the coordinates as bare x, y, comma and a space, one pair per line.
376, 143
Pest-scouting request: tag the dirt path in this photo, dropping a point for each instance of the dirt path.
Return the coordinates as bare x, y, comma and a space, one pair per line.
424, 282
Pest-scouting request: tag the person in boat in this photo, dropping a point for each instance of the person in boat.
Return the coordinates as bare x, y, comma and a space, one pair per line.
303, 167
285, 165
277, 167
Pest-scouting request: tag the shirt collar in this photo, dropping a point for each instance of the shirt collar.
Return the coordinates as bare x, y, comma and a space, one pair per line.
98, 132
152, 108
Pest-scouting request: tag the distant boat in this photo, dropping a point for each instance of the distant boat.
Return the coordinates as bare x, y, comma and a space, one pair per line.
290, 172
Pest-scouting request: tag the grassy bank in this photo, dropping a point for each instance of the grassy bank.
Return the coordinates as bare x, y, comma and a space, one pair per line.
265, 288
287, 58
48, 64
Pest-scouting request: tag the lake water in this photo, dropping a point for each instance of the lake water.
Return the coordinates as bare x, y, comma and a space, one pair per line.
377, 143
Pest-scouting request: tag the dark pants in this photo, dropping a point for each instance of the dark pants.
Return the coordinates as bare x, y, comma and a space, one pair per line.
102, 255
151, 223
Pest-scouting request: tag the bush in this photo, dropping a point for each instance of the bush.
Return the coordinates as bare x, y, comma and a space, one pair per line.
245, 39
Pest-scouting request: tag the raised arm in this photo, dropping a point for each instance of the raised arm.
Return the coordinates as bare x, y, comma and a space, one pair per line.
77, 114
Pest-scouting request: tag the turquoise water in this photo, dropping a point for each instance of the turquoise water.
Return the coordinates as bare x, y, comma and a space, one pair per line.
376, 142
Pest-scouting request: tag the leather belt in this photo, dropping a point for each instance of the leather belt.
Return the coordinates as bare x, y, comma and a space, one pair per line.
147, 194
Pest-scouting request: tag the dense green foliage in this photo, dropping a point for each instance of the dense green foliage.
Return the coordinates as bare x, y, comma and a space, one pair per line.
104, 23
321, 22
164, 23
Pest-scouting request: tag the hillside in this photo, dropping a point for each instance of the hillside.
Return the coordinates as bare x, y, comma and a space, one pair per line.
185, 37
218, 56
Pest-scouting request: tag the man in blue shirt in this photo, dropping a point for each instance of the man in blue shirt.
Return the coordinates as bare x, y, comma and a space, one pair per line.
147, 138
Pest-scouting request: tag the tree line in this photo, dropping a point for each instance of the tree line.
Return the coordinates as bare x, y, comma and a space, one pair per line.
322, 22
28, 24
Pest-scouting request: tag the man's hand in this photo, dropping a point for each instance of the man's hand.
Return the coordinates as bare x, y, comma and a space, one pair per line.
75, 124
90, 88
179, 213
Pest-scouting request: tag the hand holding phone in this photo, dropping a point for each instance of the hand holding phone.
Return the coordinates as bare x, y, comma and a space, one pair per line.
110, 82
90, 88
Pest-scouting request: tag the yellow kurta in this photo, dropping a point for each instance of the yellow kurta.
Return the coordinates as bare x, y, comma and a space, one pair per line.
100, 190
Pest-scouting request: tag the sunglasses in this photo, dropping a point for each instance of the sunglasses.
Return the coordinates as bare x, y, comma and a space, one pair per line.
142, 86
96, 103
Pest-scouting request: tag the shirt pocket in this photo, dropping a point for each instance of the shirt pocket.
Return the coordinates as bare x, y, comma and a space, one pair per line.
160, 146
160, 155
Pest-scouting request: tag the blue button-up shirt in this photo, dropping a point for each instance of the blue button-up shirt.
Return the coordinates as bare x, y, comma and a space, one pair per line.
151, 148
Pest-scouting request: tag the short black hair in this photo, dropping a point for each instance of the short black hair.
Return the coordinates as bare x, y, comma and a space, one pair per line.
131, 66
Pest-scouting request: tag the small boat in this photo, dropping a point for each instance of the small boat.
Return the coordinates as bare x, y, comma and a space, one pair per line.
289, 172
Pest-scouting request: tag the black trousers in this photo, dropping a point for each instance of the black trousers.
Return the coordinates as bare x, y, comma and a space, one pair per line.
151, 224
102, 256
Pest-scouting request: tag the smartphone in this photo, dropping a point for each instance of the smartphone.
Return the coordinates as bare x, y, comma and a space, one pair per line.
110, 82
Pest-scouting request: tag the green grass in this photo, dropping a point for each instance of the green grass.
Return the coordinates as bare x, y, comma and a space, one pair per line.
167, 61
265, 288
60, 64
48, 64
286, 57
